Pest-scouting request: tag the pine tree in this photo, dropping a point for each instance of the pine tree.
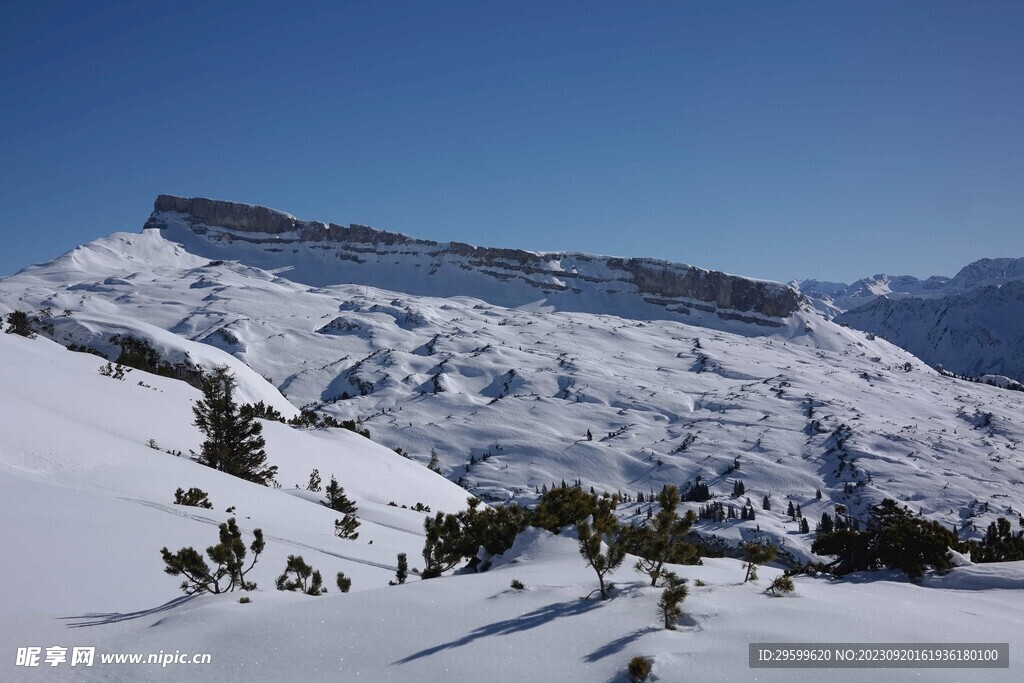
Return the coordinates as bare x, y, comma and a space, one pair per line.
590, 437
234, 443
781, 586
403, 569
336, 498
229, 556
791, 511
194, 497
314, 481
826, 526
755, 554
663, 541
766, 504
306, 579
602, 525
442, 548
346, 527
344, 583
434, 464
817, 494
639, 669
18, 323
673, 595
805, 528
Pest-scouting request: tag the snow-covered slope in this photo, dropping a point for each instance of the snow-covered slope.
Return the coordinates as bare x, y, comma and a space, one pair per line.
88, 505
88, 501
506, 396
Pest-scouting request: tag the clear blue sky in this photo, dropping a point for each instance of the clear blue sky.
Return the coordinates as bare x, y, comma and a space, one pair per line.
817, 139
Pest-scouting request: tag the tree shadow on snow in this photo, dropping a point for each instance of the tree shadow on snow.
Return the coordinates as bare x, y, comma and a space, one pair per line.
525, 622
619, 644
101, 619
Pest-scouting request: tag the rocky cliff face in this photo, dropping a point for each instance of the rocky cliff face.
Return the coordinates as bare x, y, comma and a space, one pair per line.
322, 254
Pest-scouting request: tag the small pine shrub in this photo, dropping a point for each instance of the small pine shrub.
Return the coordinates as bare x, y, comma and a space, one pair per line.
194, 497
517, 585
755, 554
699, 583
434, 465
314, 482
344, 583
229, 555
116, 372
402, 573
781, 586
306, 578
346, 527
18, 323
639, 669
244, 600
261, 410
671, 598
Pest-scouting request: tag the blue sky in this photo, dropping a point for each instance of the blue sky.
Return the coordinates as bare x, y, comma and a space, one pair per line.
772, 139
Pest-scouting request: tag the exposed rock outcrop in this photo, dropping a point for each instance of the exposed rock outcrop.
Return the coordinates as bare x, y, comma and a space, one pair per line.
572, 281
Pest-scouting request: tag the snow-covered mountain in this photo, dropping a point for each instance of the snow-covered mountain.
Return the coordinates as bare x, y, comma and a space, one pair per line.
506, 395
322, 254
501, 361
979, 332
837, 297
969, 323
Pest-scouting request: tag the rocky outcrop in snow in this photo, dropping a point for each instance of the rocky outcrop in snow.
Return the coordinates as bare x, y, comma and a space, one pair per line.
319, 253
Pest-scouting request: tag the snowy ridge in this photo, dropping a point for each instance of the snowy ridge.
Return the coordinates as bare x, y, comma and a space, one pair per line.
323, 254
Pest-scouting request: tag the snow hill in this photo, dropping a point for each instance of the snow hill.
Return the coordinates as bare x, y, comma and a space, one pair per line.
88, 505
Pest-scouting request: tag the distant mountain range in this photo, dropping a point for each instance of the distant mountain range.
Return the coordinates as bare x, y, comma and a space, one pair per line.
972, 323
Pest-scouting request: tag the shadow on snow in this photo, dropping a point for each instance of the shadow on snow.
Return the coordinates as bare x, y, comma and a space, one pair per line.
525, 622
100, 619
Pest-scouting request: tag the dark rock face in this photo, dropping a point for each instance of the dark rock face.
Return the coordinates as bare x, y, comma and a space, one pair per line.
725, 291
674, 286
228, 214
